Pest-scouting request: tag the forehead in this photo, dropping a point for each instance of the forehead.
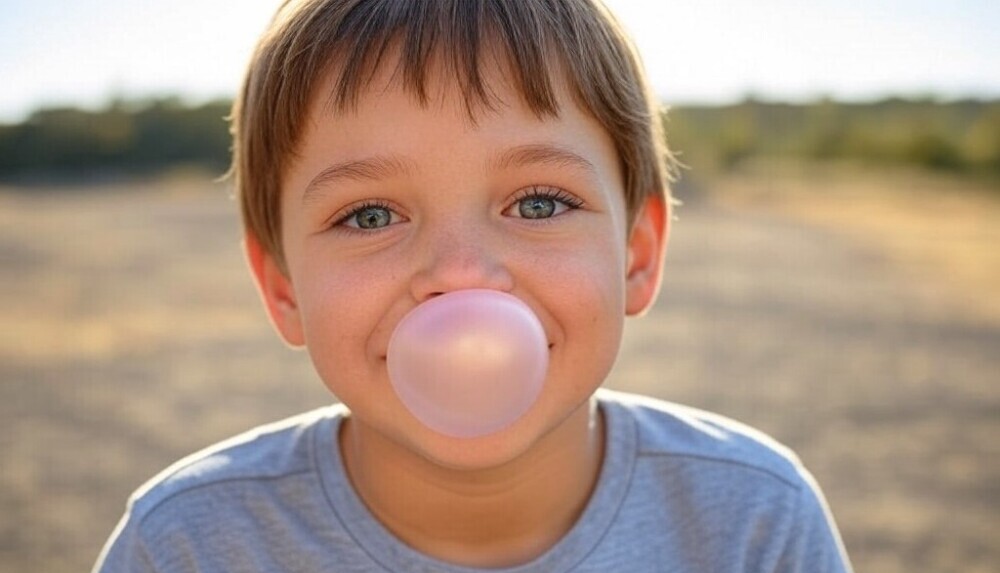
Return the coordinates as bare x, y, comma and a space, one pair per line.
393, 134
389, 113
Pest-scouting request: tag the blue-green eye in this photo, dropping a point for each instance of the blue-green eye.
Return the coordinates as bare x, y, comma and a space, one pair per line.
372, 217
369, 217
536, 207
543, 203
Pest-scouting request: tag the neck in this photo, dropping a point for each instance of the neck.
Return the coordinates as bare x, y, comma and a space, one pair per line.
495, 517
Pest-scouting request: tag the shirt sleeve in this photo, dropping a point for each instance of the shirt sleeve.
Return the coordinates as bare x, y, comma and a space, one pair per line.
125, 551
814, 544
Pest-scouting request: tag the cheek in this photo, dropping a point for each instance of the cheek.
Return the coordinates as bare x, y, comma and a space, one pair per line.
341, 306
343, 312
587, 270
585, 290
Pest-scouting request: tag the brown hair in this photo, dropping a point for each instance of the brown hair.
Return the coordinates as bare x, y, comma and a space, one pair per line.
307, 38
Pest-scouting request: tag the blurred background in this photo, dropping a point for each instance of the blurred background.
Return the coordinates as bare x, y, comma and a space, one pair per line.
832, 279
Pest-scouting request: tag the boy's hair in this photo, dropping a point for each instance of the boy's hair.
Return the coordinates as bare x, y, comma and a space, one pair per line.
308, 39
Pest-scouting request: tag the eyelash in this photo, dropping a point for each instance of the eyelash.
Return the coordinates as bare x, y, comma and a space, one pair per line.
556, 194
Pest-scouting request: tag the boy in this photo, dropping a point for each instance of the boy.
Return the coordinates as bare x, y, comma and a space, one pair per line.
391, 151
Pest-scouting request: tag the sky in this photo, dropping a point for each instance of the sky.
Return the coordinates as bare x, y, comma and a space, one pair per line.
84, 52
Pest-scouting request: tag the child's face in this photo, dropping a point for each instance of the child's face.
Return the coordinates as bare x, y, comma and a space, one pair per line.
395, 203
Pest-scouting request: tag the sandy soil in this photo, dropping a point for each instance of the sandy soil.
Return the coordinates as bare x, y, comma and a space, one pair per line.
130, 335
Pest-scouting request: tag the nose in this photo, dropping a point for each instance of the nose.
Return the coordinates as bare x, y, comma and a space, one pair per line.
455, 259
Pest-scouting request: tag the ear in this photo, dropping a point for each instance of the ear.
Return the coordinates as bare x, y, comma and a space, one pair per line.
276, 291
647, 246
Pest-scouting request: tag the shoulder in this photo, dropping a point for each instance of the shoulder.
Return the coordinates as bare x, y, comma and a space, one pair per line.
220, 506
740, 494
264, 454
680, 435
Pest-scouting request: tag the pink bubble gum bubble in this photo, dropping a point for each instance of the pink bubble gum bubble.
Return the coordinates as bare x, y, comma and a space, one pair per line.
468, 363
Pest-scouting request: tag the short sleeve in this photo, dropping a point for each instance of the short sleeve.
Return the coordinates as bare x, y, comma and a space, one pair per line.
814, 544
125, 551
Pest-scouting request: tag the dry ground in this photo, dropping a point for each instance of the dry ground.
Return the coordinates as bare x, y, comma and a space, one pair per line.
130, 335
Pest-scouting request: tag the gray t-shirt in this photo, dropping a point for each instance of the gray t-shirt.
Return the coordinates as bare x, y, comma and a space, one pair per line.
679, 490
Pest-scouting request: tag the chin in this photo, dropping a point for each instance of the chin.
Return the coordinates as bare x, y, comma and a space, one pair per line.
480, 453
490, 451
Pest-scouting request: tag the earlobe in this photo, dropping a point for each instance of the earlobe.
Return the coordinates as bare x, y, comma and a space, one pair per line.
647, 245
276, 291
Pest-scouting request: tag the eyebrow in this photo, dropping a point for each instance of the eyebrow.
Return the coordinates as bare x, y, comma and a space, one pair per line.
385, 166
542, 154
368, 169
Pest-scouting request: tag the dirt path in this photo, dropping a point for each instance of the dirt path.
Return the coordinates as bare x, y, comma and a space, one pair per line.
131, 336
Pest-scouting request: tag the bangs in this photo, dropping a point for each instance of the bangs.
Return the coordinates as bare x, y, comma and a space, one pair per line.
460, 38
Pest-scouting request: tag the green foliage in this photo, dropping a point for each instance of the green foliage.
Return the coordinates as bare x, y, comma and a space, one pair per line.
960, 136
124, 137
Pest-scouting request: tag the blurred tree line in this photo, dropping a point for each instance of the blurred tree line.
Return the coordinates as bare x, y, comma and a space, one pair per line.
147, 136
961, 136
124, 137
